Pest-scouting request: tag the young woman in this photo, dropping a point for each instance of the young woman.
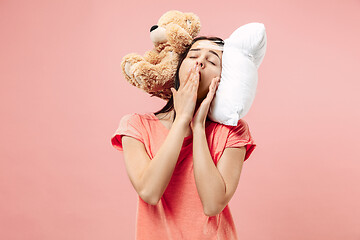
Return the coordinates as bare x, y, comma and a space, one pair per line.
184, 167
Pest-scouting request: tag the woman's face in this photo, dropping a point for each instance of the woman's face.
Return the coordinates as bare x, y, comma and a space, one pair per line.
209, 59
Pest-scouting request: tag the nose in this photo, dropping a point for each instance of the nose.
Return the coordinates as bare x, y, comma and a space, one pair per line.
200, 62
153, 28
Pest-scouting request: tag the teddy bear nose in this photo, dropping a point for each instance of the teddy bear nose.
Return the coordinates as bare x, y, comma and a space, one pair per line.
153, 28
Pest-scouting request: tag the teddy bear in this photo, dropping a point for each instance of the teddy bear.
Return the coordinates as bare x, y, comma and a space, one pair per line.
155, 71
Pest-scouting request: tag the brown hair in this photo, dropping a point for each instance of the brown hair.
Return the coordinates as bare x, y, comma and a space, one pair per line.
170, 104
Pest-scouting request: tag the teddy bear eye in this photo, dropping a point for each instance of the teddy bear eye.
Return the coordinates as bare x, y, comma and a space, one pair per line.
188, 22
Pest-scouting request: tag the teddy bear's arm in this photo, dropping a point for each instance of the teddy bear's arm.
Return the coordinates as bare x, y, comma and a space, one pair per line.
152, 57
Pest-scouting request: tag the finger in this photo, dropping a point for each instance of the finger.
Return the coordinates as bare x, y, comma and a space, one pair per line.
197, 74
184, 84
188, 84
209, 97
195, 80
173, 91
190, 74
216, 81
195, 87
213, 86
195, 77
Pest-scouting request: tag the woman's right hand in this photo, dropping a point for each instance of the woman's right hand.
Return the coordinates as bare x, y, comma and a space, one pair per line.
186, 96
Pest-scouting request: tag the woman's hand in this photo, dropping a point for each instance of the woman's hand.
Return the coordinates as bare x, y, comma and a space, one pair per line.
202, 112
185, 97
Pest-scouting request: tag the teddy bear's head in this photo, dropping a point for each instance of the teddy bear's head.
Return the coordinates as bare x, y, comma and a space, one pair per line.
175, 27
155, 71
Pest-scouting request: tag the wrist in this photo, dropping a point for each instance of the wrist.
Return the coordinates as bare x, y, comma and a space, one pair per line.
181, 122
199, 128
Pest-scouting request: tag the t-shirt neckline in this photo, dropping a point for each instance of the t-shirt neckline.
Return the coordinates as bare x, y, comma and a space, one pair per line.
164, 127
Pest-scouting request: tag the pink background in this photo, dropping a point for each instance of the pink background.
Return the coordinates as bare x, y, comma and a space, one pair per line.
62, 95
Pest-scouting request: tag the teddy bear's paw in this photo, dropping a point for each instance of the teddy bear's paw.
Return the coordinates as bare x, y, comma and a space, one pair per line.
127, 68
128, 62
139, 79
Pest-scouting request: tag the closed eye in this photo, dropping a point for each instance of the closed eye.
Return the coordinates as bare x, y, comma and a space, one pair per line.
208, 60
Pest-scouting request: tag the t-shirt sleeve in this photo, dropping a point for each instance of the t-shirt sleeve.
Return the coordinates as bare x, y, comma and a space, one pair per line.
240, 136
130, 125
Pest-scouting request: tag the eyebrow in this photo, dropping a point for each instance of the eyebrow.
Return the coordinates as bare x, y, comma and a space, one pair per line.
198, 49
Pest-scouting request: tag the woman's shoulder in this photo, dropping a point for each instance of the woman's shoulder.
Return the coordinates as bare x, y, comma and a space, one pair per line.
241, 126
141, 120
135, 116
129, 117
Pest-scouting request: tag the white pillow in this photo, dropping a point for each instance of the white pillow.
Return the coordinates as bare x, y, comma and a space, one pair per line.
243, 53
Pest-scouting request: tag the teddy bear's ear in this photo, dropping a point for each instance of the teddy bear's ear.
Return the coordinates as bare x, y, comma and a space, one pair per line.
178, 38
194, 24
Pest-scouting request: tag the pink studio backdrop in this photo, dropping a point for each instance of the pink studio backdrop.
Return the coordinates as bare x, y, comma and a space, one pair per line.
62, 96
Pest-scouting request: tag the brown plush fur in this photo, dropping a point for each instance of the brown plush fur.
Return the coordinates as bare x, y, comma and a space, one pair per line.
155, 71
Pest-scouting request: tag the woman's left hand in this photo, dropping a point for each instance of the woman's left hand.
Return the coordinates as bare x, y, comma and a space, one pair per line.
202, 112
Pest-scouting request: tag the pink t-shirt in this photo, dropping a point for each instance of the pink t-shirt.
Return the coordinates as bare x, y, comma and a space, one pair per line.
179, 213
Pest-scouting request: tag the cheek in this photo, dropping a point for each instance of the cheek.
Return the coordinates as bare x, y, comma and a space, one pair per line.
218, 70
212, 73
185, 65
182, 72
184, 68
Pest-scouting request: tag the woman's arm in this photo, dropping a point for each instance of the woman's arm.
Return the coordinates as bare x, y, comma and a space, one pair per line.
215, 184
151, 177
